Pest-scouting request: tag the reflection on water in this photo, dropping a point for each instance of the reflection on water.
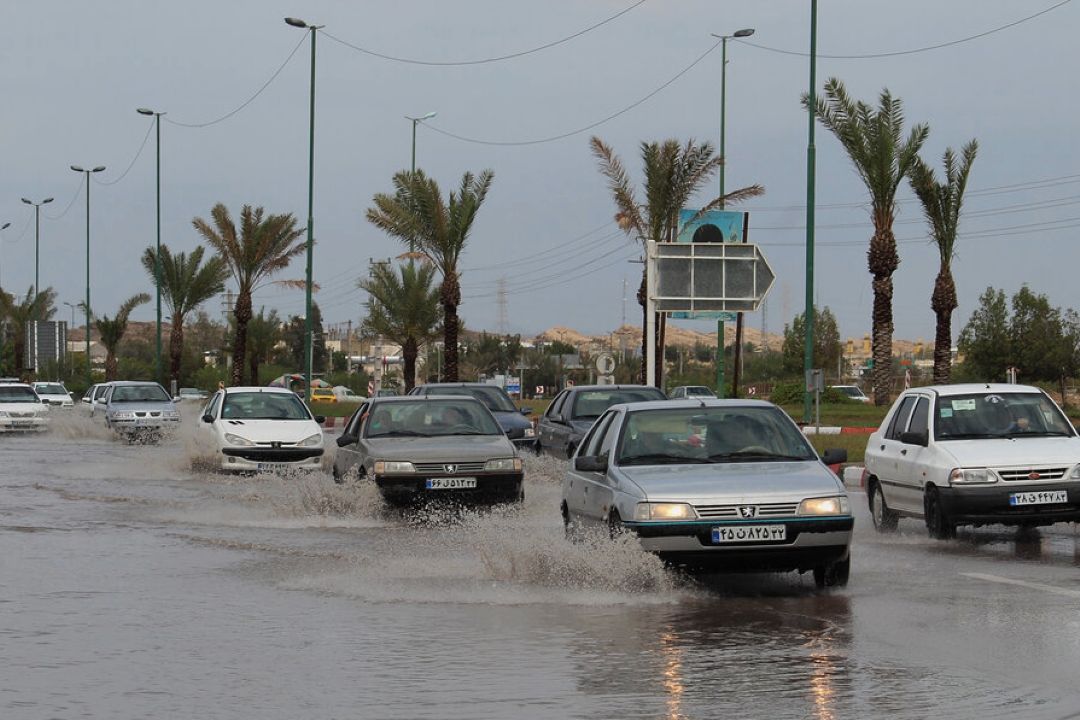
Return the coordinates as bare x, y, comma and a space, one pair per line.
672, 674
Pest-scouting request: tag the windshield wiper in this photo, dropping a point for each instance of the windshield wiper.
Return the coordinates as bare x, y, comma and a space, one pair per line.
660, 459
967, 436
399, 433
1029, 433
745, 454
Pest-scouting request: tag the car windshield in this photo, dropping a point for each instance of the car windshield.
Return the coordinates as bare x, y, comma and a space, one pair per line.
591, 404
50, 389
139, 393
494, 398
700, 391
430, 418
17, 394
263, 406
998, 414
711, 435
190, 391
850, 390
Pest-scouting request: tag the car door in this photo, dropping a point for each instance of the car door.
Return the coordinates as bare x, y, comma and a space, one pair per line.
347, 456
891, 452
575, 480
211, 409
915, 464
548, 427
599, 489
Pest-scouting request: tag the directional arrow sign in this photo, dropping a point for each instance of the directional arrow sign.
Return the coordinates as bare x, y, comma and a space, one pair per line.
708, 277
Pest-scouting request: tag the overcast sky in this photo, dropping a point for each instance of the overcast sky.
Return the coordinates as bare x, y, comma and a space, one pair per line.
74, 72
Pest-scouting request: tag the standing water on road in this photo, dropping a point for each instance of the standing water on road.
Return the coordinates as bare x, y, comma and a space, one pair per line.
136, 583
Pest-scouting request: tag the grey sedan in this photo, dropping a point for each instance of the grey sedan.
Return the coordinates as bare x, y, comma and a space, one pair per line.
716, 484
139, 409
417, 448
574, 410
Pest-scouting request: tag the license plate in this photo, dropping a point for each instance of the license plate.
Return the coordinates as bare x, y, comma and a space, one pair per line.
1042, 497
450, 483
144, 423
270, 466
748, 533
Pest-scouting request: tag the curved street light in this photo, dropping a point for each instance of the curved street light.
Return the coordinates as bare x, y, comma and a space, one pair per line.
157, 254
37, 238
79, 169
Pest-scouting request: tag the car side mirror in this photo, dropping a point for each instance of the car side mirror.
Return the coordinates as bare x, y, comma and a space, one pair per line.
526, 411
208, 418
176, 399
834, 456
344, 440
320, 419
915, 438
558, 418
590, 463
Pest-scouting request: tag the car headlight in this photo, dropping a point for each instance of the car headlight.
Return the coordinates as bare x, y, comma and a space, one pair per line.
1075, 474
664, 511
4, 414
311, 441
388, 467
824, 506
965, 476
122, 415
237, 440
530, 432
505, 464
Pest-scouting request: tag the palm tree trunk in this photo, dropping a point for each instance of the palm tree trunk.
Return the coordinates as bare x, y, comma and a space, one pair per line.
110, 365
409, 351
883, 261
450, 298
943, 302
176, 348
241, 315
253, 367
661, 331
19, 348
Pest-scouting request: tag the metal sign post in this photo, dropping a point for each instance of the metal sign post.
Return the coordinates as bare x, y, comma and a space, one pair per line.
650, 313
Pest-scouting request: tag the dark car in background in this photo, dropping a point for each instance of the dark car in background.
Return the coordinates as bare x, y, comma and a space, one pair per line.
574, 410
512, 420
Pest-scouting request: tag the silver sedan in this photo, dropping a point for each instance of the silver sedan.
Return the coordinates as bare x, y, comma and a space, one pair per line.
716, 484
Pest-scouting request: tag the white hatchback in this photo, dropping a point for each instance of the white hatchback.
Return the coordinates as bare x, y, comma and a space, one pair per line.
21, 408
54, 393
263, 429
975, 454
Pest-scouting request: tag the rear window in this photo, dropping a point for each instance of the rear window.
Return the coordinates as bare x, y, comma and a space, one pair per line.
591, 404
50, 389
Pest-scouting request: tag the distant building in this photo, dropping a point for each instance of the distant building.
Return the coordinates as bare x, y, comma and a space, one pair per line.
46, 344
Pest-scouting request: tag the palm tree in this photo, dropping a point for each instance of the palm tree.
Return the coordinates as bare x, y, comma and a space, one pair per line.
674, 173
263, 246
263, 334
33, 306
112, 331
437, 232
186, 283
403, 307
941, 204
873, 139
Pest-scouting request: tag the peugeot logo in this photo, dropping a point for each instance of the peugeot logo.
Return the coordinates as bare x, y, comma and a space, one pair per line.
450, 468
1033, 475
748, 511
275, 444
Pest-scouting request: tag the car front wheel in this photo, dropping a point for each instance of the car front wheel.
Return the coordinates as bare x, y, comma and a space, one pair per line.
885, 519
938, 523
834, 574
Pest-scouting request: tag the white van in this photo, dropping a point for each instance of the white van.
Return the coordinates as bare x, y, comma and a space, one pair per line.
974, 454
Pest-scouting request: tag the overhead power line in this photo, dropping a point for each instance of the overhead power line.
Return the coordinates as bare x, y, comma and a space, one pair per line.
913, 51
133, 160
247, 102
71, 203
481, 61
590, 126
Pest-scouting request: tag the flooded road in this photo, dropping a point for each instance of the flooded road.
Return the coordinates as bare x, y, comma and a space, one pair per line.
134, 584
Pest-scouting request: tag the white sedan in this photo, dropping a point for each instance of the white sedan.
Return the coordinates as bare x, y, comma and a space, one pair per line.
263, 429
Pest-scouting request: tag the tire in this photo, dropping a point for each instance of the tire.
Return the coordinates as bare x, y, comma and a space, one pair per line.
834, 574
939, 525
885, 519
616, 529
569, 528
538, 448
337, 476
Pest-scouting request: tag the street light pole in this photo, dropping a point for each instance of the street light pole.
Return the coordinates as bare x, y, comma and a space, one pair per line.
157, 253
3, 227
745, 32
296, 22
99, 168
808, 316
37, 239
416, 121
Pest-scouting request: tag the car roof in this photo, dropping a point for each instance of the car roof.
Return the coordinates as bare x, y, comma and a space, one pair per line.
424, 398
976, 388
691, 404
132, 383
457, 384
257, 388
17, 384
578, 388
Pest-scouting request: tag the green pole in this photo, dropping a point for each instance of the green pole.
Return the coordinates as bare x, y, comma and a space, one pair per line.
719, 358
310, 225
37, 246
413, 166
89, 380
808, 355
723, 162
157, 254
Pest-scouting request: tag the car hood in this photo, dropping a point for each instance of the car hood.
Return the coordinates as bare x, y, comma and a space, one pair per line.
265, 431
735, 482
580, 427
510, 421
57, 398
1013, 451
437, 449
23, 407
141, 407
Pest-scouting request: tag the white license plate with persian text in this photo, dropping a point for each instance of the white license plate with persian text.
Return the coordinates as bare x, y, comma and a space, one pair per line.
1041, 497
274, 466
748, 533
450, 483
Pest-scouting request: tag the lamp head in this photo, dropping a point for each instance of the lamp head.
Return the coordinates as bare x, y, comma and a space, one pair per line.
46, 201
5, 226
429, 115
144, 111
295, 22
745, 32
27, 201
99, 168
76, 168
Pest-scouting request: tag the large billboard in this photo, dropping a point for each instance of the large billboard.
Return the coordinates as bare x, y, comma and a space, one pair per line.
714, 226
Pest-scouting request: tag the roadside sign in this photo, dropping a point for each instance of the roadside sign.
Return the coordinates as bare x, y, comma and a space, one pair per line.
605, 364
693, 277
605, 380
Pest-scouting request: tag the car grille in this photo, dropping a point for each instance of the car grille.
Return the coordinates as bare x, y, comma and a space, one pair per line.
147, 413
257, 455
460, 468
22, 414
1024, 473
767, 510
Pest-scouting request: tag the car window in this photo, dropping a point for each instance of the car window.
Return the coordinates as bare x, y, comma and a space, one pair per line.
556, 405
353, 428
263, 406
212, 406
50, 389
100, 392
920, 417
993, 414
138, 393
17, 394
900, 417
592, 440
430, 418
590, 404
607, 435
